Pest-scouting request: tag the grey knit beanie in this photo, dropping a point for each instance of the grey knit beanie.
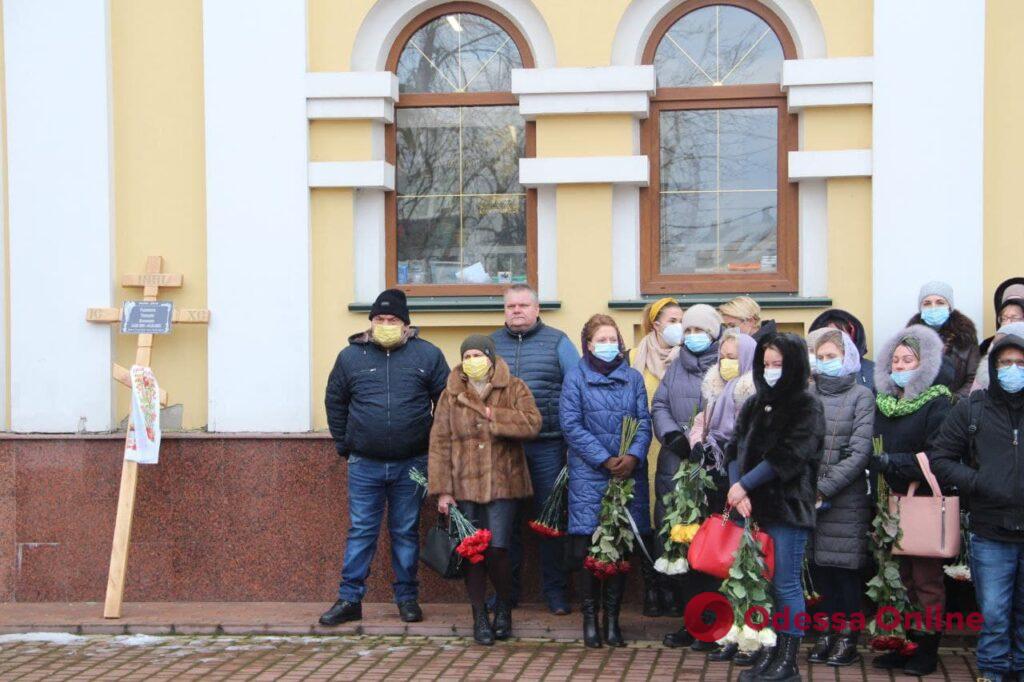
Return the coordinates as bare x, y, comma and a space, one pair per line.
936, 288
703, 317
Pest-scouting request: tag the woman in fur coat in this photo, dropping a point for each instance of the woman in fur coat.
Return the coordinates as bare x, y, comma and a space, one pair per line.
958, 333
477, 462
773, 461
909, 411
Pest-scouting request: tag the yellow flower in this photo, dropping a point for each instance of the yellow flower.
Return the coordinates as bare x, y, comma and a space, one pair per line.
684, 534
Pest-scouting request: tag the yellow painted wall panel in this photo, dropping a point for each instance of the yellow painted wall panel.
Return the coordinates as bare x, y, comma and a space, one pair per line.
583, 30
834, 128
1004, 147
332, 26
159, 180
849, 247
848, 26
585, 135
340, 140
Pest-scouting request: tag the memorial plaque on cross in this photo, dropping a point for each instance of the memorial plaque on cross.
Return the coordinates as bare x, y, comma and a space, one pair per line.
151, 282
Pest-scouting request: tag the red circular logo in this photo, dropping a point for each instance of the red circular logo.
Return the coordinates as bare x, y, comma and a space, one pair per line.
708, 616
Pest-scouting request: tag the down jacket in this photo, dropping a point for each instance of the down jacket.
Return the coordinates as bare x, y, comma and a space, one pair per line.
476, 459
675, 405
591, 409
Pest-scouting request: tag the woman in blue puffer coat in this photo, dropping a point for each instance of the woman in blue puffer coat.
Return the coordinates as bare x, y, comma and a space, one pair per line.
596, 395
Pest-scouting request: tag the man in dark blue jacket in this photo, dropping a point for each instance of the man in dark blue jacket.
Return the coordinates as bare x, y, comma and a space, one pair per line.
540, 356
379, 403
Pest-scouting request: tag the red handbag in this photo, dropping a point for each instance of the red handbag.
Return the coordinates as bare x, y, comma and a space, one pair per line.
714, 547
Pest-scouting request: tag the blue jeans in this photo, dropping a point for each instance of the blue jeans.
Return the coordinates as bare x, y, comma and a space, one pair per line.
997, 569
545, 459
790, 544
370, 484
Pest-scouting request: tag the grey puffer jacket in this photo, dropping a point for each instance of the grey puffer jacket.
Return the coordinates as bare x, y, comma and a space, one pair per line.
676, 403
840, 534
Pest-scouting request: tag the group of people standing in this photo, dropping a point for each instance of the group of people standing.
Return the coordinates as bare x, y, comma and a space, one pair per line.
783, 425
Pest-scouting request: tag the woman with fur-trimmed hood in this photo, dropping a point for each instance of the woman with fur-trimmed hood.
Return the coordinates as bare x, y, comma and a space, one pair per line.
957, 331
909, 411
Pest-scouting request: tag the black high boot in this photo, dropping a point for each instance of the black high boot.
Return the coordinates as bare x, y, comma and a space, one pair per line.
823, 647
613, 589
783, 667
652, 592
482, 632
924, 661
845, 651
674, 597
590, 598
502, 619
764, 658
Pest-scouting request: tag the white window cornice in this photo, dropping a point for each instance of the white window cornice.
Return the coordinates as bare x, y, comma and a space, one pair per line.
842, 81
584, 90
367, 95
620, 170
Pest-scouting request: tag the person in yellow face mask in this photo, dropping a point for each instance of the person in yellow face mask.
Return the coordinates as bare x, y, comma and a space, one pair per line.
478, 464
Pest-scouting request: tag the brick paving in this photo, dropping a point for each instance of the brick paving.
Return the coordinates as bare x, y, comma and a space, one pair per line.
353, 657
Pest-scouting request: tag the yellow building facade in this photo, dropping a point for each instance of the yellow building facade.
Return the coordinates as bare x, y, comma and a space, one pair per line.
248, 144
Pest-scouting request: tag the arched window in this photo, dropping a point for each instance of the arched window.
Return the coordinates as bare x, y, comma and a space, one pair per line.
720, 214
459, 222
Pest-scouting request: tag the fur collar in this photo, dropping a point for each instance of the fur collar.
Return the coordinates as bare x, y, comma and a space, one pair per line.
958, 332
458, 382
713, 385
928, 371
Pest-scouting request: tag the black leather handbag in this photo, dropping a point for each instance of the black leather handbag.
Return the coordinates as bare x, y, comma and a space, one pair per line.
438, 550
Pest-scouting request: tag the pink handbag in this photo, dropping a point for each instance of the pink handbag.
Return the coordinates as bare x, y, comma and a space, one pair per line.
930, 525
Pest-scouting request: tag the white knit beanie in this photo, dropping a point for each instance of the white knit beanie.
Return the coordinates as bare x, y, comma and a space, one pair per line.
936, 288
703, 317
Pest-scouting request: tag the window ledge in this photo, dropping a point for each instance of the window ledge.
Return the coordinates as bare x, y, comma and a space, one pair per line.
767, 301
454, 304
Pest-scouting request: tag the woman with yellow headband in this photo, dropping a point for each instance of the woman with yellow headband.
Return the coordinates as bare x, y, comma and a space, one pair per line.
663, 333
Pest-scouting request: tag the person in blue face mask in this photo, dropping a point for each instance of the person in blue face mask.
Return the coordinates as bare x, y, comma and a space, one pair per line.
909, 411
596, 395
978, 450
936, 310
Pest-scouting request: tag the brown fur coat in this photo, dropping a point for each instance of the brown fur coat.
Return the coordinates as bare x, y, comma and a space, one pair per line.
474, 459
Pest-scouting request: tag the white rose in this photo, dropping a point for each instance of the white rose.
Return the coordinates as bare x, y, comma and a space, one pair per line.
767, 637
730, 637
680, 566
662, 566
748, 639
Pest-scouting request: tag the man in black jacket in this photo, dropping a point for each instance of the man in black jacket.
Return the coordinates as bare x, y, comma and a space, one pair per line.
379, 403
978, 450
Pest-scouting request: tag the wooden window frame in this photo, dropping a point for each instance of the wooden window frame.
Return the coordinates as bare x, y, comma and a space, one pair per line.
456, 99
786, 277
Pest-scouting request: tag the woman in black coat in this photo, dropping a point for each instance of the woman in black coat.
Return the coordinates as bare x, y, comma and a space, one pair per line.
911, 406
958, 333
774, 458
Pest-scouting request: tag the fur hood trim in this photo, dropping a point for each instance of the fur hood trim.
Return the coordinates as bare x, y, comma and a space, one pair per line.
927, 372
713, 385
958, 333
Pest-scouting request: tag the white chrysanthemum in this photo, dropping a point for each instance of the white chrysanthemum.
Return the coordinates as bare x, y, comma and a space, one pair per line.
678, 566
662, 566
749, 640
767, 637
730, 637
958, 572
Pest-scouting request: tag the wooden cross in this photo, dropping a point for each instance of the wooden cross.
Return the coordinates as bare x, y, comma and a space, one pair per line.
151, 282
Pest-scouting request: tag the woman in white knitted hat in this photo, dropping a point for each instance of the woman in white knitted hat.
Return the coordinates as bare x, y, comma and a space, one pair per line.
937, 310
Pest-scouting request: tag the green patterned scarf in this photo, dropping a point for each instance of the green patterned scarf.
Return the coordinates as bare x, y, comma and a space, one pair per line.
891, 406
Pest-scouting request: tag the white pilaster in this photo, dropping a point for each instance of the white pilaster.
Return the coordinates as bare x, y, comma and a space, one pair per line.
928, 155
57, 60
258, 236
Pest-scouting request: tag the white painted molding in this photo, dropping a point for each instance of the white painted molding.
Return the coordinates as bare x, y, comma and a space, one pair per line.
547, 244
630, 170
573, 90
352, 174
813, 235
352, 95
368, 243
625, 242
828, 82
848, 163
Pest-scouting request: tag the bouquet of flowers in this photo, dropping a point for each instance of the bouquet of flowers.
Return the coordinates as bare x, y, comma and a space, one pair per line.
886, 588
811, 596
473, 541
747, 588
613, 539
685, 505
961, 570
554, 516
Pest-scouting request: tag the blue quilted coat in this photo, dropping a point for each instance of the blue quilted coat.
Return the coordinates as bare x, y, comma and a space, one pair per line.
591, 409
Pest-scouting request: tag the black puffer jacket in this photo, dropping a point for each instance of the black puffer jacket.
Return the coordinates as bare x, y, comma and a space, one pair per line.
379, 402
991, 474
783, 425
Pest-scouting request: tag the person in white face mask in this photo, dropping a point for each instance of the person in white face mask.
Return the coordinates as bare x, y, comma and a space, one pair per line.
663, 335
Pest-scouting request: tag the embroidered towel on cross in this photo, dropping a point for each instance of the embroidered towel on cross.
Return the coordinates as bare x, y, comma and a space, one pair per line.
142, 444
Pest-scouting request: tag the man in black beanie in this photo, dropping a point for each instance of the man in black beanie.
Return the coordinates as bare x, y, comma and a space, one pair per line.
380, 399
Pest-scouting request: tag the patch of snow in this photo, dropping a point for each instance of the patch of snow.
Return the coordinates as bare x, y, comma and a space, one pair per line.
138, 640
59, 638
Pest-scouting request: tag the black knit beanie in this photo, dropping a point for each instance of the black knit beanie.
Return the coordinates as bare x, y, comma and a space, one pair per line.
391, 302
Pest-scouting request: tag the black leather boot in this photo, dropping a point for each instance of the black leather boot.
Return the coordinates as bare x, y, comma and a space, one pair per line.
845, 651
613, 589
822, 649
677, 639
745, 659
923, 661
502, 620
590, 598
482, 632
764, 658
783, 667
725, 653
342, 612
652, 591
